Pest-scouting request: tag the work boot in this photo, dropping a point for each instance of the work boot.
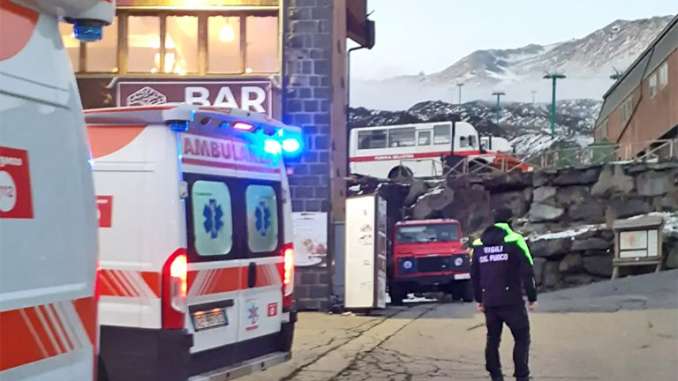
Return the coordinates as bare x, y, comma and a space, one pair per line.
497, 378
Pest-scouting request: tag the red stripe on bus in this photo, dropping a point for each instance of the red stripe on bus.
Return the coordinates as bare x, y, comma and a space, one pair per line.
403, 156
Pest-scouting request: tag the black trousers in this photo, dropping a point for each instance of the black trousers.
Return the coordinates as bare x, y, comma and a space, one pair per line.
516, 319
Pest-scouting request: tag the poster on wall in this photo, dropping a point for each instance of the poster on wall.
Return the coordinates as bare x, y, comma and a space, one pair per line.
310, 239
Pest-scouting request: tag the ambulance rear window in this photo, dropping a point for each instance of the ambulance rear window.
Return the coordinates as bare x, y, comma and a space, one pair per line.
213, 222
262, 218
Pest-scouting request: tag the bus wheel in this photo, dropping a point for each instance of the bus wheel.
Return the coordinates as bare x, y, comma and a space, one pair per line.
400, 172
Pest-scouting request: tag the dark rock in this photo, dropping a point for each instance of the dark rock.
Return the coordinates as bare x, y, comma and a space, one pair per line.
622, 207
606, 234
431, 204
538, 267
671, 251
513, 200
509, 181
599, 265
596, 253
635, 168
612, 180
590, 244
589, 211
578, 279
656, 183
471, 207
541, 213
552, 278
541, 178
572, 263
572, 195
550, 248
544, 195
668, 203
664, 165
417, 189
577, 177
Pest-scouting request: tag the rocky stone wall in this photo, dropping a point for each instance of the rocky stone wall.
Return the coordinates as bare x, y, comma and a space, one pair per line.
567, 214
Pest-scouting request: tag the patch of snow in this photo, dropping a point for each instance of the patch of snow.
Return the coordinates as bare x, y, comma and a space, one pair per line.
670, 221
571, 233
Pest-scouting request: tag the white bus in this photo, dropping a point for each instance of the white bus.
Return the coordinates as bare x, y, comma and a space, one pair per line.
416, 149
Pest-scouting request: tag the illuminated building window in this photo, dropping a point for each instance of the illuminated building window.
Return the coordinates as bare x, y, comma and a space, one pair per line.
262, 45
223, 45
71, 44
102, 55
143, 41
181, 45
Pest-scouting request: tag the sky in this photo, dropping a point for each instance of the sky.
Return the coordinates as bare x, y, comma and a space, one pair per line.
414, 36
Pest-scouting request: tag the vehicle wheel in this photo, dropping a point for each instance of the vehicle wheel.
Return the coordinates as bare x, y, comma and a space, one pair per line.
400, 172
397, 295
467, 291
102, 375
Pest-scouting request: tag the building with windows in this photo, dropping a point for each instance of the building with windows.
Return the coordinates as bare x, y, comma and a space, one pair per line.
642, 105
285, 58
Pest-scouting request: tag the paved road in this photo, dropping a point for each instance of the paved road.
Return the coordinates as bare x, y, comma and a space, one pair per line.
622, 330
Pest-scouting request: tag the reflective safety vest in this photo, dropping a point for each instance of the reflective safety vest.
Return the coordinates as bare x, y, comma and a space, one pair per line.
511, 237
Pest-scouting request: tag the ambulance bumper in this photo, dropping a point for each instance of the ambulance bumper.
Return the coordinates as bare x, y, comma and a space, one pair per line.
129, 354
248, 367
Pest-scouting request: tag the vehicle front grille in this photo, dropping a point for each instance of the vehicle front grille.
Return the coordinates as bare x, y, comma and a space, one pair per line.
441, 264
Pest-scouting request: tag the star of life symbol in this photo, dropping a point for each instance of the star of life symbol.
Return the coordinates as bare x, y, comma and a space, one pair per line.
253, 314
214, 218
262, 215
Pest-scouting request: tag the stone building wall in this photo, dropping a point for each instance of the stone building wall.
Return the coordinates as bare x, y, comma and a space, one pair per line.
307, 103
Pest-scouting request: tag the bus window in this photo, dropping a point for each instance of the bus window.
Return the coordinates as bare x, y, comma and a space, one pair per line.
424, 138
401, 137
441, 134
372, 139
471, 140
462, 142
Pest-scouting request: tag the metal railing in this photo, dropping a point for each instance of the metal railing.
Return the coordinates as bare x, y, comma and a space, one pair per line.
655, 150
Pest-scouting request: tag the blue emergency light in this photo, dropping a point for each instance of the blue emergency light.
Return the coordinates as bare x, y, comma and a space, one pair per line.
88, 30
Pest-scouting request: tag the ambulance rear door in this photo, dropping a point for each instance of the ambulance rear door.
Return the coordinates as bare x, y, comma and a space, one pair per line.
234, 240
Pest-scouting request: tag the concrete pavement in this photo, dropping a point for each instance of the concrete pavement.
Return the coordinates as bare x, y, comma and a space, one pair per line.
621, 330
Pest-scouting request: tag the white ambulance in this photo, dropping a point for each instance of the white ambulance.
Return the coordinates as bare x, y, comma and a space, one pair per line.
48, 227
195, 241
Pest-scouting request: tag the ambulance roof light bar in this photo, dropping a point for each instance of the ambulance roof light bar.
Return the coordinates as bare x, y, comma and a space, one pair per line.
278, 138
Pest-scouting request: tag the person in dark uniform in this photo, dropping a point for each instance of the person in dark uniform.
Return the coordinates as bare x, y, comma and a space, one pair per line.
501, 269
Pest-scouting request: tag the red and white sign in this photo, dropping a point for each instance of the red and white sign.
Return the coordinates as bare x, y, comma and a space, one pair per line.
272, 309
105, 211
15, 184
246, 95
224, 153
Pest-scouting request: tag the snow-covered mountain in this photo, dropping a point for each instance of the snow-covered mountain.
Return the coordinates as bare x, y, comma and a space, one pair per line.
588, 63
525, 124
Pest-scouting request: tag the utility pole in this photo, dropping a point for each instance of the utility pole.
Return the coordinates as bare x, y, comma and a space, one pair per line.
460, 85
554, 77
498, 94
534, 98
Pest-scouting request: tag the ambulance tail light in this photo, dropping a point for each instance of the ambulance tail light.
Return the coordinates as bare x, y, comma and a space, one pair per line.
174, 288
288, 275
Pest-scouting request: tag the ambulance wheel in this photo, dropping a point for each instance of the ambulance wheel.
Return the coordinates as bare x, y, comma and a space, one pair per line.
102, 375
400, 172
397, 295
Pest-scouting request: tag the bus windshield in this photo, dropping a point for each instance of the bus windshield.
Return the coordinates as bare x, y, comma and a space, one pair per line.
427, 233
